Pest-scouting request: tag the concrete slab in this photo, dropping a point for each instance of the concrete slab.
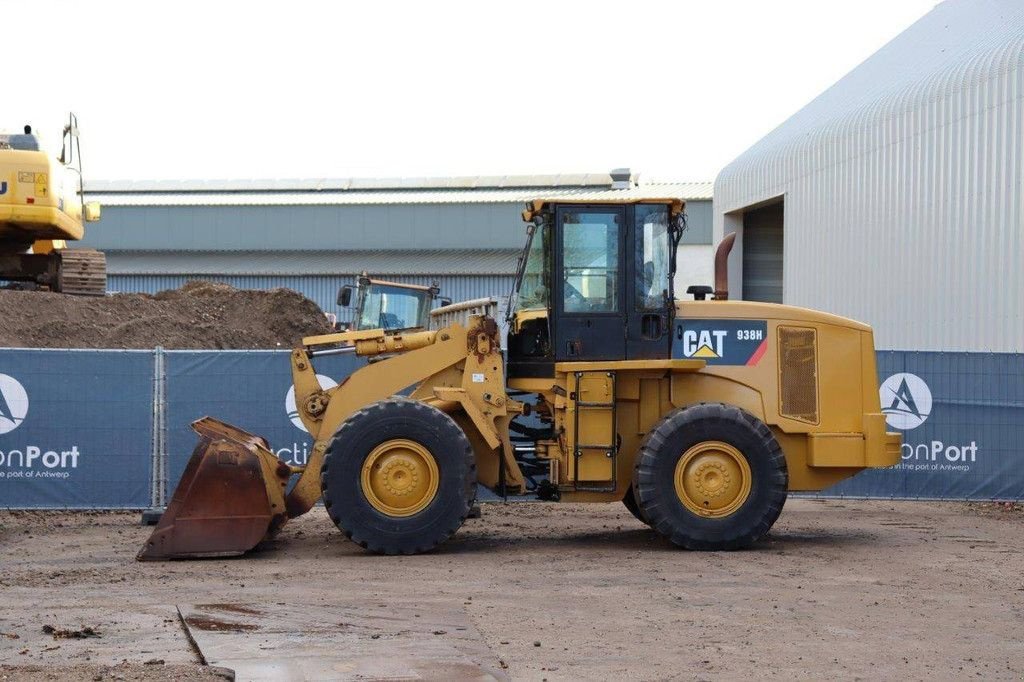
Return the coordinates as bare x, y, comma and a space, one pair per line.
351, 641
97, 634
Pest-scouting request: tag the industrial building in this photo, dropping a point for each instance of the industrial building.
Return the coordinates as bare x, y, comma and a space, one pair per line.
895, 196
315, 235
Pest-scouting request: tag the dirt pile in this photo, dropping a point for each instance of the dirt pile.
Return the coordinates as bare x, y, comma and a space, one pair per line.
199, 315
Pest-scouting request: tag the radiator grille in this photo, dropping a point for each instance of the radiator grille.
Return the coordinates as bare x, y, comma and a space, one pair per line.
798, 373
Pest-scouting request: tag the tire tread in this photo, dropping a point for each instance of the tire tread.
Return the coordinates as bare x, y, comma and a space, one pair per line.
707, 421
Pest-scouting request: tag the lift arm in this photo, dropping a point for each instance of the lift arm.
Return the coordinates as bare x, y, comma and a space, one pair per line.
456, 369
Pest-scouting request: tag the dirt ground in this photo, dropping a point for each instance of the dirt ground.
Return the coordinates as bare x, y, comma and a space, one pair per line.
848, 589
199, 315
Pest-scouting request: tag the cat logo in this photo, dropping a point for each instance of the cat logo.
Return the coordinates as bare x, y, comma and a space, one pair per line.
721, 342
703, 344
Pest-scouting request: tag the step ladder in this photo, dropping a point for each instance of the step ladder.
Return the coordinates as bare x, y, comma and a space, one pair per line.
595, 445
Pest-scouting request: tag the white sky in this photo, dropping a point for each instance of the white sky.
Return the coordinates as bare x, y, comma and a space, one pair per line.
308, 89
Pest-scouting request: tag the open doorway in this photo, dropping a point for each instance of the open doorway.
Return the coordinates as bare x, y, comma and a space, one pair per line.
762, 253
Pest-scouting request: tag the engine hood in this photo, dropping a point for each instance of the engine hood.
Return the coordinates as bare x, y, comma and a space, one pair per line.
761, 311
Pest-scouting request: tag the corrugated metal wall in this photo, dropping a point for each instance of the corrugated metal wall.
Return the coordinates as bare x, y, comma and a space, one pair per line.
332, 228
903, 186
305, 228
321, 289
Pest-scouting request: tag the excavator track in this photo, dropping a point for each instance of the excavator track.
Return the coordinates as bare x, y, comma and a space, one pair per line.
81, 272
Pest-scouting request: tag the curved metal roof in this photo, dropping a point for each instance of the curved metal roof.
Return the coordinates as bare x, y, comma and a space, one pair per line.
903, 186
956, 46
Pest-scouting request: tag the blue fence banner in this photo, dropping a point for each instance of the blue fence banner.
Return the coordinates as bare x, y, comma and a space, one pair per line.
248, 389
110, 429
962, 420
76, 428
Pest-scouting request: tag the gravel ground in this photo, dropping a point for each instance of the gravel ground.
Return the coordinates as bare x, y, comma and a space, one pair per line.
849, 589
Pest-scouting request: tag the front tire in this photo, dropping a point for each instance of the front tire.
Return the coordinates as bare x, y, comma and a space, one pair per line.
711, 477
629, 501
399, 477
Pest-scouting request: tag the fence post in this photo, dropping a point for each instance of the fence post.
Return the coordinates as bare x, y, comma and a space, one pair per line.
161, 363
158, 479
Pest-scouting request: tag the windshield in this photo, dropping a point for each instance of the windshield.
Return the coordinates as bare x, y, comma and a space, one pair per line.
25, 143
536, 283
389, 307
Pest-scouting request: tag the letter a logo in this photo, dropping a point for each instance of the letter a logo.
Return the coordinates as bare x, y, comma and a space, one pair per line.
13, 403
906, 400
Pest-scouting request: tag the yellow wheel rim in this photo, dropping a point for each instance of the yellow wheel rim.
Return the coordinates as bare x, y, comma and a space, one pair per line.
400, 477
712, 479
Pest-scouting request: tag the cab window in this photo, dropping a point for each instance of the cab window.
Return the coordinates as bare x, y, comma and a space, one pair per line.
390, 308
534, 287
590, 247
652, 256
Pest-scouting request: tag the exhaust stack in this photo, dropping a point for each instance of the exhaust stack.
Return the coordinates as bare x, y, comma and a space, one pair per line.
722, 267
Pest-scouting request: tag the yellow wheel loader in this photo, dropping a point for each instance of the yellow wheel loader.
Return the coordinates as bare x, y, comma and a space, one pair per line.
699, 415
391, 306
42, 207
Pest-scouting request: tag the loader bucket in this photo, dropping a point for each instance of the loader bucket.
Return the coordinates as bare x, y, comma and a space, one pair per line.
230, 497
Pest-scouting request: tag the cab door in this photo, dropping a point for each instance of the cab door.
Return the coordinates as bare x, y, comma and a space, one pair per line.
589, 289
650, 302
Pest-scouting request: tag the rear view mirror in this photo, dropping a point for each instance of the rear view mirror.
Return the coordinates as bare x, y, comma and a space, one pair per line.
345, 296
444, 301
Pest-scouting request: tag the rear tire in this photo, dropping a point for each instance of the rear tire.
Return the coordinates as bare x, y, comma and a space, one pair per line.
399, 477
711, 477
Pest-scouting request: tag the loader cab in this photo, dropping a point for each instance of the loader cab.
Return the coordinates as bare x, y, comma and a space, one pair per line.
594, 284
392, 306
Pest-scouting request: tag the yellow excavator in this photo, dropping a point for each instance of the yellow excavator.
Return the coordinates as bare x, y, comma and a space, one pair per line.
699, 415
42, 208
